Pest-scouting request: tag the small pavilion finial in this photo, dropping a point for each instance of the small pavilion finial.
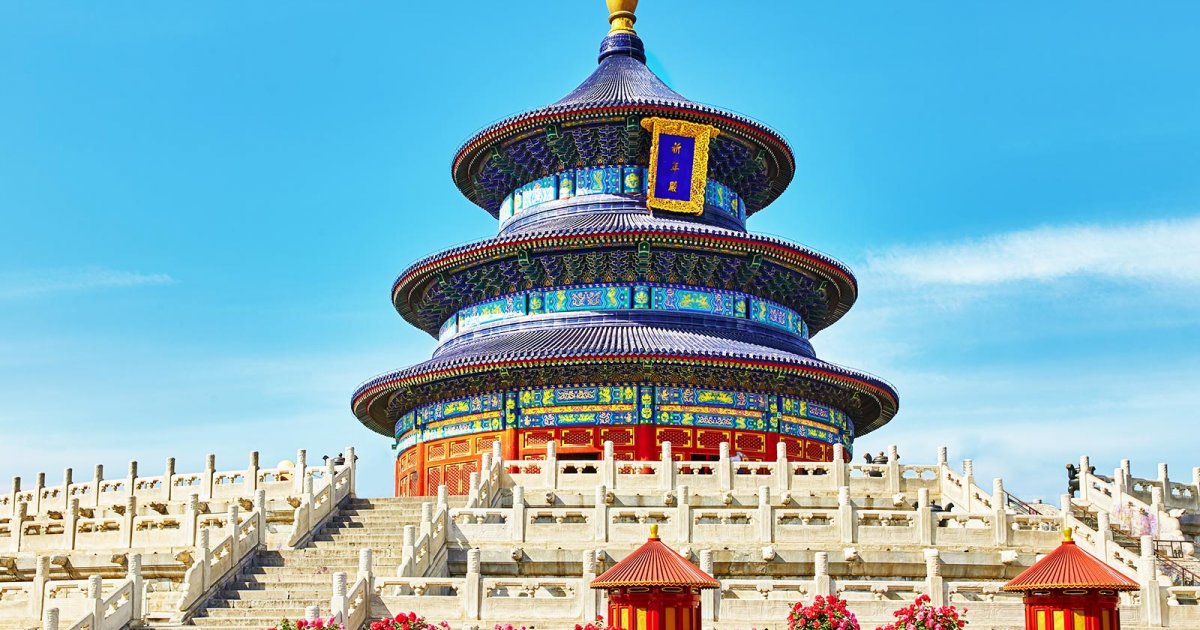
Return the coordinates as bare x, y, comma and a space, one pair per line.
654, 531
620, 15
1067, 533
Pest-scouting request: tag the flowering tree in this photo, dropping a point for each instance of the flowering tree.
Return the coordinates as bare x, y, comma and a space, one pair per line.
408, 621
921, 615
825, 613
305, 624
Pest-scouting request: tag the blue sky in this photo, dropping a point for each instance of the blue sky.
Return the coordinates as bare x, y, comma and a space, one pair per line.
204, 206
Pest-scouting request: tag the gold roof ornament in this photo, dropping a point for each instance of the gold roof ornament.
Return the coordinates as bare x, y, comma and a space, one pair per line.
620, 15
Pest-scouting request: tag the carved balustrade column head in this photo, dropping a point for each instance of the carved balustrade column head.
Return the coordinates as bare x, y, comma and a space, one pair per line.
843, 496
95, 587
41, 481
998, 493
497, 451
169, 469
685, 495
922, 498
193, 504
968, 468
16, 485
410, 535
253, 463
781, 452
73, 507
473, 561
764, 496
1162, 473
518, 495
427, 510
1125, 466
312, 612
260, 501
210, 462
551, 449
706, 561
41, 568
68, 476
234, 518
1156, 497
50, 619
443, 496
98, 476
301, 459
943, 456
203, 541
339, 584
589, 561
131, 506
307, 484
893, 454
133, 469
666, 452
366, 561
134, 568
724, 451
609, 450
933, 563
821, 564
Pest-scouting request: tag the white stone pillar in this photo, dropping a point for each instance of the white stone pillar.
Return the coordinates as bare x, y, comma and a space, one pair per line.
72, 521
600, 505
131, 479
1085, 463
943, 456
443, 498
724, 468
16, 491
766, 531
683, 507
206, 479
847, 519
50, 620
311, 613
97, 481
1105, 534
134, 573
1152, 594
925, 523
550, 472
893, 469
41, 575
1196, 489
251, 480
1000, 520
841, 470
783, 470
609, 465
38, 486
204, 550
408, 550
473, 490
426, 519
710, 599
472, 585
260, 508
168, 478
301, 470
130, 517
352, 462
666, 473
498, 453
96, 600
590, 596
934, 583
516, 520
337, 603
1064, 506
192, 517
822, 582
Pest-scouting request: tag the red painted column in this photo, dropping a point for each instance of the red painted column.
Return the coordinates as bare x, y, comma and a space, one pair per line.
644, 448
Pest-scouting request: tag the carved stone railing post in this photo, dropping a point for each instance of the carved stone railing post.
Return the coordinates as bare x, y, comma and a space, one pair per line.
260, 507
600, 504
1064, 507
516, 520
41, 575
1152, 596
97, 480
301, 470
206, 479
683, 499
426, 519
550, 472
50, 619
925, 522
352, 462
1164, 480
724, 467
130, 517
934, 583
408, 549
823, 583
943, 456
443, 497
168, 482
131, 479
841, 471
311, 613
366, 569
337, 603
968, 485
710, 598
18, 528
472, 585
134, 573
204, 551
666, 473
590, 596
1000, 519
608, 467
71, 527
251, 481
1196, 489
766, 532
234, 521
473, 490
16, 491
38, 486
847, 520
893, 469
783, 470
1085, 483
1103, 524
95, 595
192, 517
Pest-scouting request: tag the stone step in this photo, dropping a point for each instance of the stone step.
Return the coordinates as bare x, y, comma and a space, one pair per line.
281, 600
247, 595
293, 586
255, 622
313, 577
291, 609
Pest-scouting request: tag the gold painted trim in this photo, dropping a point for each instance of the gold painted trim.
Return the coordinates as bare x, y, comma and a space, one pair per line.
702, 134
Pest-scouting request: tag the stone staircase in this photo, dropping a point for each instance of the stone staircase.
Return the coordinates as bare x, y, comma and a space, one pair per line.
281, 584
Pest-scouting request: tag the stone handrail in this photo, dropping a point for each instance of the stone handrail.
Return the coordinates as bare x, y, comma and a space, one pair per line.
351, 604
422, 546
218, 561
315, 508
100, 612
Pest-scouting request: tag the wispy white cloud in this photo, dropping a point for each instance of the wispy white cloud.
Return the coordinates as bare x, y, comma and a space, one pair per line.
23, 284
1159, 252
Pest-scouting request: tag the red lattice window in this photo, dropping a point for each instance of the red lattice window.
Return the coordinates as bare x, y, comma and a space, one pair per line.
617, 436
536, 438
577, 437
813, 452
795, 448
750, 442
711, 439
461, 448
433, 477
679, 438
435, 451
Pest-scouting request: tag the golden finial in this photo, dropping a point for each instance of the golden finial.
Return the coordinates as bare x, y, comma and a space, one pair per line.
620, 15
1067, 532
654, 531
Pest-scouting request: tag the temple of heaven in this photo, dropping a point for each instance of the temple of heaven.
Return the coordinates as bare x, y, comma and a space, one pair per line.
623, 299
